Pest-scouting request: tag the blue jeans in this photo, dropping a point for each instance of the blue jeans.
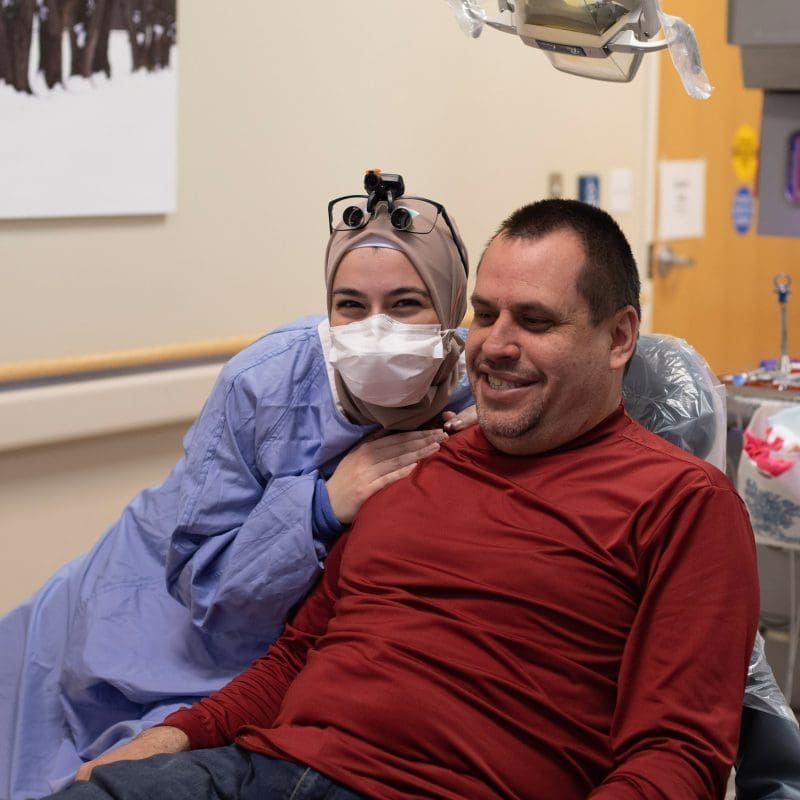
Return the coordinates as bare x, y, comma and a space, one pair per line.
220, 773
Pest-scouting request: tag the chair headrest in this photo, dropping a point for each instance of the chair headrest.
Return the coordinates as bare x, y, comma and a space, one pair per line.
670, 389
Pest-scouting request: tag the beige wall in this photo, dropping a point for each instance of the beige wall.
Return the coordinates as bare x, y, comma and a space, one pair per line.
56, 500
280, 108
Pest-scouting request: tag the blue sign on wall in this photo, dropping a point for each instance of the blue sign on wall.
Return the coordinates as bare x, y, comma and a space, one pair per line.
742, 210
589, 189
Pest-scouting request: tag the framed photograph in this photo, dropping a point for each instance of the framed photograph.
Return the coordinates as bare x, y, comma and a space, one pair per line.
87, 107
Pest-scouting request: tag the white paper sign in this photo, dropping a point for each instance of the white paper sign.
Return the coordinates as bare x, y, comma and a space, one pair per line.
682, 199
620, 190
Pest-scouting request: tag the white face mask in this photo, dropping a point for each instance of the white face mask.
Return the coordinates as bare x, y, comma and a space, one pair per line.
386, 362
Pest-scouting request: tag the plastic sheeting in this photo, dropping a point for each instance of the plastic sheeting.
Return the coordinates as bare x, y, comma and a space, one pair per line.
670, 389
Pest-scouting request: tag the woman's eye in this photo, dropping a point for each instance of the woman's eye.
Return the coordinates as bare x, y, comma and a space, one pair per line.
343, 304
408, 302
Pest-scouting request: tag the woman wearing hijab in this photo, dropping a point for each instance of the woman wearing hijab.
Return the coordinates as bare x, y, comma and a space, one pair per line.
198, 575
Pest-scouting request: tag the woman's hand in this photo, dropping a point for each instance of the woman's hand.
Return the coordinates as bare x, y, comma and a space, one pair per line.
380, 459
151, 742
457, 422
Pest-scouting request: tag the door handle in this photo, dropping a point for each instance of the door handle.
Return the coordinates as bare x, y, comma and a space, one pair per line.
667, 259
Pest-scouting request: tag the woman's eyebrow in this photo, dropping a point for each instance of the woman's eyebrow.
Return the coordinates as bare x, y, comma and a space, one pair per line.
400, 290
408, 290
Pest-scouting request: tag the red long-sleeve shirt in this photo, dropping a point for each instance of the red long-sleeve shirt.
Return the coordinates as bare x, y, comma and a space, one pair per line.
573, 624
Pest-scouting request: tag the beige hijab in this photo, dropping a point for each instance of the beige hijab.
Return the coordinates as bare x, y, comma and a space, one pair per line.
435, 256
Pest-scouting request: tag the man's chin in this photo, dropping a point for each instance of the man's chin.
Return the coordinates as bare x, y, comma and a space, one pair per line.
509, 436
510, 445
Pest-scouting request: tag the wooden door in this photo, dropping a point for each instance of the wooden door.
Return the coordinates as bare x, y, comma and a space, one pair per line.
724, 305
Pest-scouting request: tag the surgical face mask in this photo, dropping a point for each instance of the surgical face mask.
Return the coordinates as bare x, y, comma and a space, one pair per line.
386, 362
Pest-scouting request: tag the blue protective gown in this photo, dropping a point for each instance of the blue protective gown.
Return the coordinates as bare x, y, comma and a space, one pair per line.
194, 579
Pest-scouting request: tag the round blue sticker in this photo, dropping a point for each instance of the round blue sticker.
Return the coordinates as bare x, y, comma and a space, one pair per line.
742, 211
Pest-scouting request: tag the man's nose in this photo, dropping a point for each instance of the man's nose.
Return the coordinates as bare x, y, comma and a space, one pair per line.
501, 341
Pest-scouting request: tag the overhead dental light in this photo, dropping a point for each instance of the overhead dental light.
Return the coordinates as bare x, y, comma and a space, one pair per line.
601, 39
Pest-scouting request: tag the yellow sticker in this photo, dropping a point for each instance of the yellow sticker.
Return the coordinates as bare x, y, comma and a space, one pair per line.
745, 153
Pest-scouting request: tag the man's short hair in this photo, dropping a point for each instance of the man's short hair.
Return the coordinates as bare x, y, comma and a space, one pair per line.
609, 279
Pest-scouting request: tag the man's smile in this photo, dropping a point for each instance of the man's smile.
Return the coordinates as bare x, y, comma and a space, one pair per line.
504, 382
501, 383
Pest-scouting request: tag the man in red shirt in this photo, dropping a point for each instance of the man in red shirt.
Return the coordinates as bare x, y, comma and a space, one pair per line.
556, 604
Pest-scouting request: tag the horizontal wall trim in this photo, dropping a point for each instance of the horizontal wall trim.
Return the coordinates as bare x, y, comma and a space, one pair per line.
77, 409
115, 361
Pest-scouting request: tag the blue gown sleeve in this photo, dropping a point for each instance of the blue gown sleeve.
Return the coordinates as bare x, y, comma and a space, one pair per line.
243, 552
324, 523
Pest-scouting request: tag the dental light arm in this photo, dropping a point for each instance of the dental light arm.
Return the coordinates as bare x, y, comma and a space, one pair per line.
601, 39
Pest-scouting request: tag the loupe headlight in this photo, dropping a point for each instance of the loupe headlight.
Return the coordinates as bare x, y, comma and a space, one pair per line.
382, 186
416, 215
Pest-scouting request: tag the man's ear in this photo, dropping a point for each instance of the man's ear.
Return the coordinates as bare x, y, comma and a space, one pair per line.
624, 331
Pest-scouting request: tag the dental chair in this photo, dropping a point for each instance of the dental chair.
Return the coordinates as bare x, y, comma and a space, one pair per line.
671, 391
